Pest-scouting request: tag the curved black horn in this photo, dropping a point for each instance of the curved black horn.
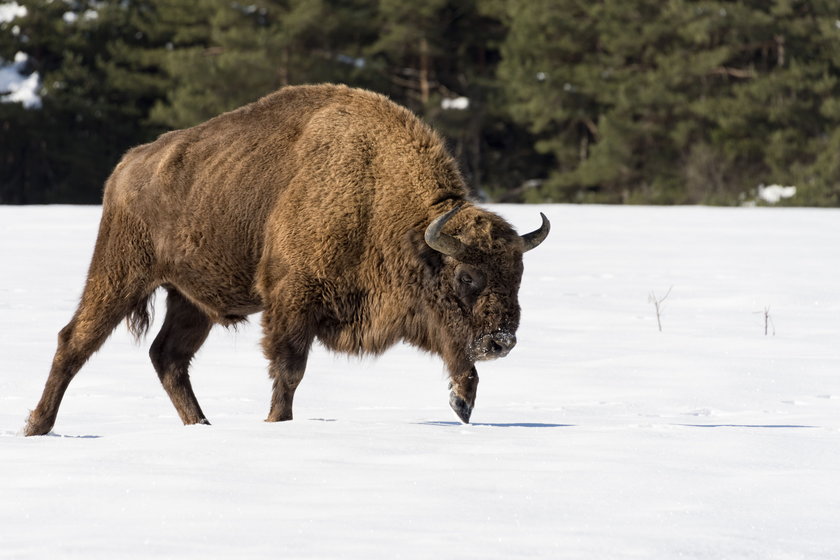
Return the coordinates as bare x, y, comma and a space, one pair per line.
442, 242
531, 240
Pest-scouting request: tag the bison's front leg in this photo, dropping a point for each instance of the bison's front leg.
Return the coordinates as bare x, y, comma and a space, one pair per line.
287, 355
289, 332
287, 373
462, 393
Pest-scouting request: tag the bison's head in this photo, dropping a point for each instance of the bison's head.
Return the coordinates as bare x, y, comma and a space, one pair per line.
477, 271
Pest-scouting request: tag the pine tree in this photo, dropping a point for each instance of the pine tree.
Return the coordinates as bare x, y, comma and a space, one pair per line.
251, 50
684, 101
681, 101
93, 106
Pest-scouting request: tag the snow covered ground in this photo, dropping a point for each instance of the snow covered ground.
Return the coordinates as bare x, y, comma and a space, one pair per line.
599, 437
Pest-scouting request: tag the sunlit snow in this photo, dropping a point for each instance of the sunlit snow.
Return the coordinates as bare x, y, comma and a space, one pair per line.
599, 437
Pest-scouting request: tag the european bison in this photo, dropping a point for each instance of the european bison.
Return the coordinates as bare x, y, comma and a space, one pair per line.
335, 212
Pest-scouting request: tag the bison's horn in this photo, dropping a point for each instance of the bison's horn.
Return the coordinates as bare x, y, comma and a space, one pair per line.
442, 242
531, 240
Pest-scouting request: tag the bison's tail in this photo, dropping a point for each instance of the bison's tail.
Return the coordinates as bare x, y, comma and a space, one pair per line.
139, 319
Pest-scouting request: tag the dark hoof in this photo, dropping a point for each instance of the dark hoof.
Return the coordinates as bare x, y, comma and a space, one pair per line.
29, 431
461, 408
36, 426
279, 418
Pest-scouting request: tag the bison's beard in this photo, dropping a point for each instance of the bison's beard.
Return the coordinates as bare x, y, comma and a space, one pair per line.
492, 346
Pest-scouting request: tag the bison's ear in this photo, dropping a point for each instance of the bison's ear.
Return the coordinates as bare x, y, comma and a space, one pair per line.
415, 244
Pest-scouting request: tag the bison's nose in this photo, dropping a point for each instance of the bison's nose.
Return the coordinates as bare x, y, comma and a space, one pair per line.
492, 346
501, 343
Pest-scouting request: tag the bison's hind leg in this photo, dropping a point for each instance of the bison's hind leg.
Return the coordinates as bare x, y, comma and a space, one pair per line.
83, 335
184, 331
118, 285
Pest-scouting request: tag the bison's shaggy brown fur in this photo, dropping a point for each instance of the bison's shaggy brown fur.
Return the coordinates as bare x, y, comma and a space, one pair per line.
311, 206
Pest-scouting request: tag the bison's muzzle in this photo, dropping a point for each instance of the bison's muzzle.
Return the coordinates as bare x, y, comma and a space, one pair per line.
492, 346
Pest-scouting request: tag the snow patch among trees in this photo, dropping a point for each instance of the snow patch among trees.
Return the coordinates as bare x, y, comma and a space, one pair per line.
16, 86
775, 193
10, 11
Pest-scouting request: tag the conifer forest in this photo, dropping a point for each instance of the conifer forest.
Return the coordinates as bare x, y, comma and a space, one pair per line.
596, 101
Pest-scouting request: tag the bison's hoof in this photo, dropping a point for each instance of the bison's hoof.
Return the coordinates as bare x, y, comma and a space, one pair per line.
36, 425
279, 418
35, 430
460, 406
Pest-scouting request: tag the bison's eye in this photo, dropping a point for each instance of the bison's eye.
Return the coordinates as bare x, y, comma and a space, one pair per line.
468, 282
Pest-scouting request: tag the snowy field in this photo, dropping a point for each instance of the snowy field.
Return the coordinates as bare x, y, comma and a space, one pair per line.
599, 437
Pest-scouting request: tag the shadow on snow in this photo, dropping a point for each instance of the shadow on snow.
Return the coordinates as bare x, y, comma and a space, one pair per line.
766, 426
498, 424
